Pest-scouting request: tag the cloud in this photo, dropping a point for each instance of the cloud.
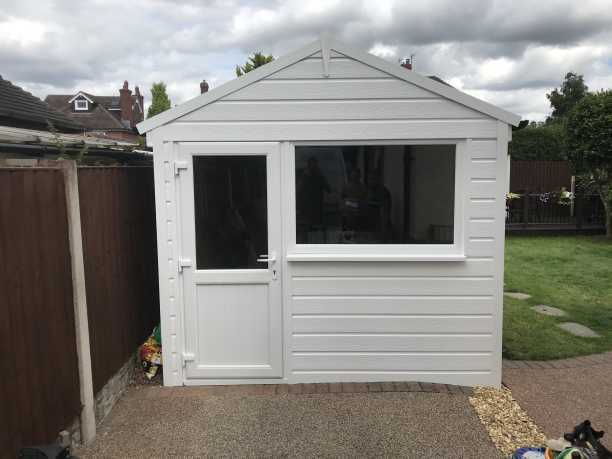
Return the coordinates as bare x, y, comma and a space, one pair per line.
509, 53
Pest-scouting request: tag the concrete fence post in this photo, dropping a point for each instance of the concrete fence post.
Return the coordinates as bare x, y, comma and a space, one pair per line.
71, 185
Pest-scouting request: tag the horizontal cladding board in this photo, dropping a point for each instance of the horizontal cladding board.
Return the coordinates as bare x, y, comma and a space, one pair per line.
392, 324
392, 343
481, 168
485, 227
392, 286
300, 110
483, 208
483, 149
355, 362
328, 130
482, 188
373, 269
481, 247
338, 68
380, 88
393, 305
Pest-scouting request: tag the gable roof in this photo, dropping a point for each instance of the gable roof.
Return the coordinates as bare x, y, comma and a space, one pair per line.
98, 117
325, 45
59, 101
81, 94
20, 107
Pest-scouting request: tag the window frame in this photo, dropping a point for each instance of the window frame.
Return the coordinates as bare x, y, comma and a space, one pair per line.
76, 105
375, 252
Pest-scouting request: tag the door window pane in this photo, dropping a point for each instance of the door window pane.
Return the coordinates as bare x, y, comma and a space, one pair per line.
375, 194
231, 211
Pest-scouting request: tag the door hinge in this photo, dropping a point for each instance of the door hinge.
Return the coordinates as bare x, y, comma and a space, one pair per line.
183, 263
179, 166
187, 357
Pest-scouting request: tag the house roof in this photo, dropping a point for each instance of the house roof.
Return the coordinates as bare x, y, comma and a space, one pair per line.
99, 117
23, 108
325, 45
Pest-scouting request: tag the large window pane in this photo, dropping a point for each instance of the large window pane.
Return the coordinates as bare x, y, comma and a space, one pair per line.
375, 194
231, 216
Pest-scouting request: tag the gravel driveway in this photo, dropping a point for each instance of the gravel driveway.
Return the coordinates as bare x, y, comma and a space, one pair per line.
154, 422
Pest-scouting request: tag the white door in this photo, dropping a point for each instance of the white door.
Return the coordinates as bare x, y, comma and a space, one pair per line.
230, 249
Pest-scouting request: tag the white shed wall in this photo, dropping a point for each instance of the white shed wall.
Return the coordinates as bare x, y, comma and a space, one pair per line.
361, 321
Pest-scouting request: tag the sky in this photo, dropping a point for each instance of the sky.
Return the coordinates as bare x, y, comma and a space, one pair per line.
510, 53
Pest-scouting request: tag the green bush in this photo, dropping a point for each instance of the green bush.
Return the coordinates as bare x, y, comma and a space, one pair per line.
544, 142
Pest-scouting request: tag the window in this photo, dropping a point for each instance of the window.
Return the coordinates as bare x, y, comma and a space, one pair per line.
231, 216
375, 194
80, 104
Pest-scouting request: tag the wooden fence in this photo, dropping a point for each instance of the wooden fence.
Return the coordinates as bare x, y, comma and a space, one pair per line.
39, 388
539, 207
120, 255
539, 176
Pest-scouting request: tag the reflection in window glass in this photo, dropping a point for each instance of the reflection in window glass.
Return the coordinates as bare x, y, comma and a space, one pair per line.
231, 216
375, 194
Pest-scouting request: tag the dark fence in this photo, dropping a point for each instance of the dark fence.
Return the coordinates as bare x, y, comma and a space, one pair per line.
540, 210
39, 387
539, 176
540, 205
120, 254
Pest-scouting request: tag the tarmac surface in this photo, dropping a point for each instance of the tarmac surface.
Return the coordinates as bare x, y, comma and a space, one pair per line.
166, 422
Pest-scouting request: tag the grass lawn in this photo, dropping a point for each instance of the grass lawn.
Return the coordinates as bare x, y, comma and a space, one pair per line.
572, 273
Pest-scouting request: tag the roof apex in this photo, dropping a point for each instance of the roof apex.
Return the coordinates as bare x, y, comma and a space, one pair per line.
81, 93
325, 44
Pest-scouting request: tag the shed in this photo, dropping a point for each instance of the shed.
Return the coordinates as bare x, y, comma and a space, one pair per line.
329, 217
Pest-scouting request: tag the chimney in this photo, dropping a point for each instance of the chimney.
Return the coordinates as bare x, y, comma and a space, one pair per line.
406, 63
125, 103
203, 87
141, 102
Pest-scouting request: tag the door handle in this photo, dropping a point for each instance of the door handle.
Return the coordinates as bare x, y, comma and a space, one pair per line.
267, 259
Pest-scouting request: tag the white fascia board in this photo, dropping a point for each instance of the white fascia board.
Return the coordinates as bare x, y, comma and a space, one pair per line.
228, 88
427, 83
83, 95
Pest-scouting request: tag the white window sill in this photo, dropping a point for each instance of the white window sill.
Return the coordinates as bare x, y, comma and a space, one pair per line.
371, 257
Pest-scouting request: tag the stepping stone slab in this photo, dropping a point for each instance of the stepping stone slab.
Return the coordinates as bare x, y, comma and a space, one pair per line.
578, 330
548, 310
517, 295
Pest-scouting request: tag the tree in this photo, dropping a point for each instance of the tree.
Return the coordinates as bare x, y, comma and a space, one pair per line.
589, 146
564, 99
256, 60
159, 99
538, 141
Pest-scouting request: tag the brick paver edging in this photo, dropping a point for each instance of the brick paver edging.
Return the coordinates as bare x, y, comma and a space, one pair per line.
301, 389
574, 362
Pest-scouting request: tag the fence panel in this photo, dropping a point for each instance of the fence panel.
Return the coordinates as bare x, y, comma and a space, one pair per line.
120, 252
39, 387
539, 176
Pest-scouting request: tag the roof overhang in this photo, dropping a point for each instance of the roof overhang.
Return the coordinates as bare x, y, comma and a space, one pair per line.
325, 44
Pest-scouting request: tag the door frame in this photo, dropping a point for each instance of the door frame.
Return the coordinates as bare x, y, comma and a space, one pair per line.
185, 207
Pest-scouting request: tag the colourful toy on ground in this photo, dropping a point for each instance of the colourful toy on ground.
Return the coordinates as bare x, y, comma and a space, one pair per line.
150, 354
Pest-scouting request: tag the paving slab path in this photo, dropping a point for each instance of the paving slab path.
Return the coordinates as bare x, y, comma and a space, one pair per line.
577, 329
517, 295
559, 394
373, 421
548, 310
